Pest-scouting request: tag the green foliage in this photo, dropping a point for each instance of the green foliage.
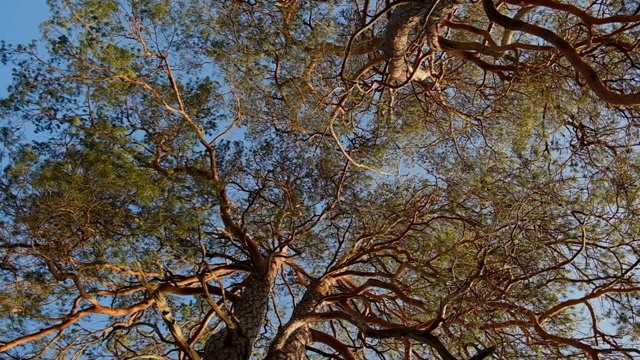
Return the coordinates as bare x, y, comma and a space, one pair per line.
157, 144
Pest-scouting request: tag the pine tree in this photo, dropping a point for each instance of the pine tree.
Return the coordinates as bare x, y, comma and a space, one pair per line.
312, 179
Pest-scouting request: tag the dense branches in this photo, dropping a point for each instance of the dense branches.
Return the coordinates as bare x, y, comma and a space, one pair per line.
309, 179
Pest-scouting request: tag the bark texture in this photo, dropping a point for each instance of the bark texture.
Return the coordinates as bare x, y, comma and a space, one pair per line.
249, 313
292, 339
408, 22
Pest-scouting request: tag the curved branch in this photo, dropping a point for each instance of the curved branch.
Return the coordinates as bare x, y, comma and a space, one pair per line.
73, 318
332, 342
399, 331
585, 70
586, 18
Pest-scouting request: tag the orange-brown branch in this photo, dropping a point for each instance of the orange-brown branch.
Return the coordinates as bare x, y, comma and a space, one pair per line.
590, 76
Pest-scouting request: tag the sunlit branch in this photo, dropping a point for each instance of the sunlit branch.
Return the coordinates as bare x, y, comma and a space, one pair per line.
589, 75
332, 342
167, 315
74, 318
584, 16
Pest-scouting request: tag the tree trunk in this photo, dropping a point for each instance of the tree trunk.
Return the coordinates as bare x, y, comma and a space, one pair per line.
292, 339
249, 313
408, 18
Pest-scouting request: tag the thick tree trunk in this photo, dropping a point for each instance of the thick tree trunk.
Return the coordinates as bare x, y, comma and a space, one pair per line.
294, 347
415, 17
249, 313
292, 339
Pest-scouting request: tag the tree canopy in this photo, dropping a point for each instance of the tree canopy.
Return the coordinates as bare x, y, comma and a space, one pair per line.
345, 179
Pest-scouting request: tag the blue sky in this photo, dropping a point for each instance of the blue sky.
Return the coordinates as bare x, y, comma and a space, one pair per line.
19, 21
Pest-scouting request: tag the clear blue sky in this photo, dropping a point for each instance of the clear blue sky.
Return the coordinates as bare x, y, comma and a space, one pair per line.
19, 21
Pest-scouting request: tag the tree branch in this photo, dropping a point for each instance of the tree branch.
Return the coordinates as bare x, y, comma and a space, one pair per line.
590, 76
